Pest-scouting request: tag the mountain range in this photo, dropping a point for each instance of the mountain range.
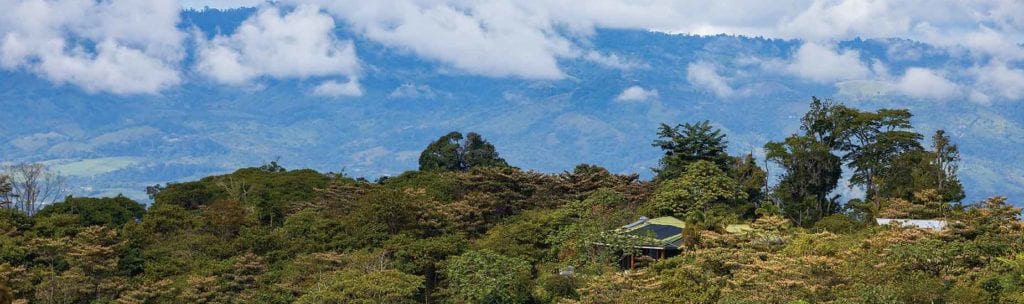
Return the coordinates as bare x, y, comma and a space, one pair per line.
606, 110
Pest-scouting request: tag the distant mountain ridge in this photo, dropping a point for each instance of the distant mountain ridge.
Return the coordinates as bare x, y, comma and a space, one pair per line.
112, 144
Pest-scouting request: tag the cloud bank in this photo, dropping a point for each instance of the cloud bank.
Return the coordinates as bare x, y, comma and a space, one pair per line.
132, 47
298, 44
705, 75
118, 46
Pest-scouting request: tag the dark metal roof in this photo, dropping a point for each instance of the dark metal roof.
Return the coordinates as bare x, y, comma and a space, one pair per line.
658, 231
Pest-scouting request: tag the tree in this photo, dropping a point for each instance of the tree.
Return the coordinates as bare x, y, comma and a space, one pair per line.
688, 143
482, 276
584, 179
190, 195
112, 212
920, 170
993, 216
272, 167
946, 162
451, 153
750, 177
225, 218
95, 256
477, 152
811, 172
870, 140
423, 256
926, 204
31, 185
702, 187
5, 190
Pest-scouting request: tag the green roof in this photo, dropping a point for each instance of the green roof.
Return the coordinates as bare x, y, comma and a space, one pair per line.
667, 220
665, 231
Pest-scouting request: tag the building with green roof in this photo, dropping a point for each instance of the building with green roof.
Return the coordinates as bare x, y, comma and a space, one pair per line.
660, 237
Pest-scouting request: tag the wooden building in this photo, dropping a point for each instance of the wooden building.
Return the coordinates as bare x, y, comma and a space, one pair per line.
657, 238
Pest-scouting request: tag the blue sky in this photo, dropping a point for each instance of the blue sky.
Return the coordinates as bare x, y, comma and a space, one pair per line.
126, 93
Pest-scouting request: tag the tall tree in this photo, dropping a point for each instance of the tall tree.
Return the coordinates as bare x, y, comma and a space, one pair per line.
870, 141
750, 177
5, 190
919, 170
478, 152
946, 162
31, 185
811, 173
687, 143
453, 152
702, 187
584, 179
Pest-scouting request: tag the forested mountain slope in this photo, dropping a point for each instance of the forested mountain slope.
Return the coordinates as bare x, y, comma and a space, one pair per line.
470, 227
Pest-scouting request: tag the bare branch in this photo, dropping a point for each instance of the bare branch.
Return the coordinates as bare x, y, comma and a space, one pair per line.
31, 187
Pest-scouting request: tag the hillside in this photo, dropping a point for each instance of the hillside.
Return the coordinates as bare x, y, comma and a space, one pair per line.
470, 227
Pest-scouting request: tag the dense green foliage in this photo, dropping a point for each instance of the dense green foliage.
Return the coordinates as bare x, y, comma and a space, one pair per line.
453, 152
111, 212
811, 173
468, 228
688, 143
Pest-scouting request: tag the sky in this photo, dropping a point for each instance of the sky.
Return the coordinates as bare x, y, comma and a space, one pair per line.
135, 47
950, 56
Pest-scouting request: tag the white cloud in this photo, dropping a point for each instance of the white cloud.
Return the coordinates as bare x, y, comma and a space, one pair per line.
114, 68
926, 84
636, 93
298, 44
220, 4
824, 20
704, 74
997, 80
824, 64
118, 46
613, 61
528, 38
492, 38
337, 89
413, 91
916, 82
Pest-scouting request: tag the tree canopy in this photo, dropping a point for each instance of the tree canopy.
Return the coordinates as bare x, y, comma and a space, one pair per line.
453, 152
686, 143
469, 228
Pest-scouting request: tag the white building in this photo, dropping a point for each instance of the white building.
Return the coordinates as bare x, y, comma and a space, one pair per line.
934, 225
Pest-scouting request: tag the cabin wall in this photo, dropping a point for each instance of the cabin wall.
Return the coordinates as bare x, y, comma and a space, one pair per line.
632, 262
